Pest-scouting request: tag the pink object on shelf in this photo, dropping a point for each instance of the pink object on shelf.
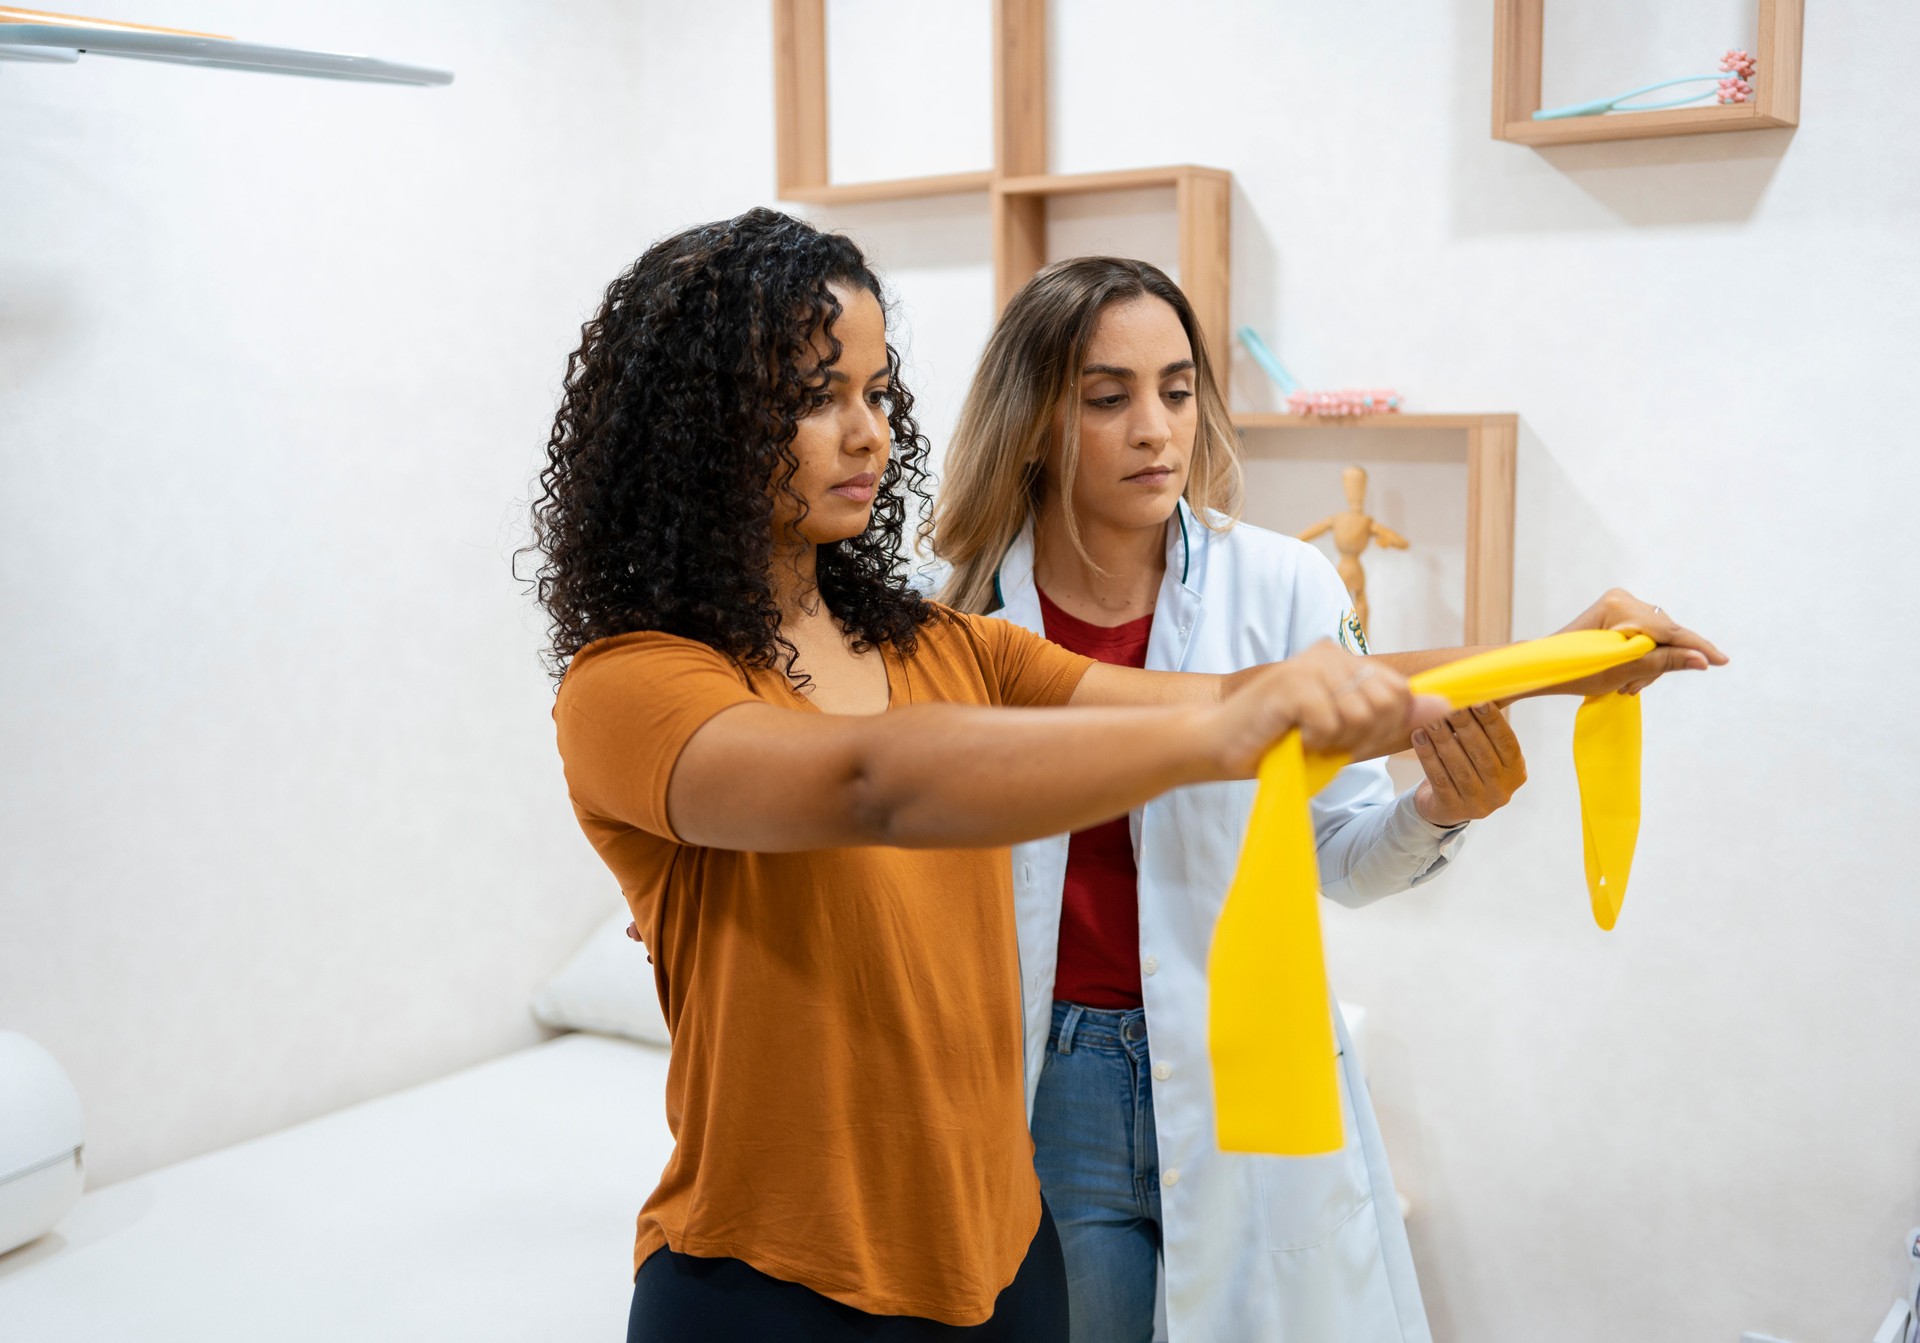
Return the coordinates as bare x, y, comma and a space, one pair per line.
1357, 401
1738, 66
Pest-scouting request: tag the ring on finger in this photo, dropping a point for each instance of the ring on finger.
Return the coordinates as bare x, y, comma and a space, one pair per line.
1363, 674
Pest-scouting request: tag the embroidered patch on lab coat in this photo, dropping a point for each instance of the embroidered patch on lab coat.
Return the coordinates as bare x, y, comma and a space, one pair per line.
1352, 637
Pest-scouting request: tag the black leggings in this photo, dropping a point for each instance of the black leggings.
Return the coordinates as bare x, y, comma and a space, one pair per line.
680, 1299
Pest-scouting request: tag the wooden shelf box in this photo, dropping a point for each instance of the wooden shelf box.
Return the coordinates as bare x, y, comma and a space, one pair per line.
1019, 188
1517, 33
1202, 201
1490, 452
800, 108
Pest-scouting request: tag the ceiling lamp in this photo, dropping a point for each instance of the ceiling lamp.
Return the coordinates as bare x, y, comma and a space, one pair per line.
33, 35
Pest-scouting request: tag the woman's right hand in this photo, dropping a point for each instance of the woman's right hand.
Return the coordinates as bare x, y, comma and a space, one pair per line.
1679, 648
1342, 704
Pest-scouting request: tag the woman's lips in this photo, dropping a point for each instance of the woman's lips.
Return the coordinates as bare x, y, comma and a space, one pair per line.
859, 489
1154, 475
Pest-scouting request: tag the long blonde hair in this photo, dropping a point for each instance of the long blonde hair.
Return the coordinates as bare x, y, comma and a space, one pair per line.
994, 473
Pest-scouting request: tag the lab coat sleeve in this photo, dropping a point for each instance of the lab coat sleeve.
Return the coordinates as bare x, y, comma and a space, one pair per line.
1371, 844
1380, 847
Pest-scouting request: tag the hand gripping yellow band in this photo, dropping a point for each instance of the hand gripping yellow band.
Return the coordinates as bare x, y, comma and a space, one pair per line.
1270, 1026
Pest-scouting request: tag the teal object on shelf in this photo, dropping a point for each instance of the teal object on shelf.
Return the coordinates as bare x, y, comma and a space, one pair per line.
1729, 86
1619, 103
1360, 401
1269, 363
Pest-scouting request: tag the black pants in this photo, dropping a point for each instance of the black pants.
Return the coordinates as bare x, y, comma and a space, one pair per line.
678, 1298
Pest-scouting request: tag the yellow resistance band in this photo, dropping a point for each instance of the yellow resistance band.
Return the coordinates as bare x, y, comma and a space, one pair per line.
1270, 1024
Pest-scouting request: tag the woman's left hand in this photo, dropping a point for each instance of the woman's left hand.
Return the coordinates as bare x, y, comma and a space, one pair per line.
1680, 649
1473, 764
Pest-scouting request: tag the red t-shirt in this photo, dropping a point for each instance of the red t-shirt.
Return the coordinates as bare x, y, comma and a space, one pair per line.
1099, 963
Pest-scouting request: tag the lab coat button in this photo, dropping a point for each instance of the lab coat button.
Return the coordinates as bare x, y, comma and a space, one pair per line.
1149, 965
1170, 1179
1162, 1071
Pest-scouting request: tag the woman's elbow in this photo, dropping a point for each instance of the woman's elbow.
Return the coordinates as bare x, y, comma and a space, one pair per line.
875, 805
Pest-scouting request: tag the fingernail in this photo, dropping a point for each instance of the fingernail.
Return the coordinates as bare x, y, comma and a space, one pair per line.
1420, 738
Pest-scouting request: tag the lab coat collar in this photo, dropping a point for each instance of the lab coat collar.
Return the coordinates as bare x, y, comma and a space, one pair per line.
1019, 599
1176, 614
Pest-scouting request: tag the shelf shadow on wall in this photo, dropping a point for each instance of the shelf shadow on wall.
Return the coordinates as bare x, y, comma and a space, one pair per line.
1676, 181
1254, 264
931, 233
1555, 576
37, 313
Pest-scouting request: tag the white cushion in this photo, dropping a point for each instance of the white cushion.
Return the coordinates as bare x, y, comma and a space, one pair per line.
41, 1133
606, 988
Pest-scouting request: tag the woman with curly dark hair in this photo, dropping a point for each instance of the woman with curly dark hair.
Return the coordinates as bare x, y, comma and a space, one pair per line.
806, 778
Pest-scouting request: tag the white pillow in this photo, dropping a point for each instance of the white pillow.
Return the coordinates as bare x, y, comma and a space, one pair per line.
41, 1135
606, 988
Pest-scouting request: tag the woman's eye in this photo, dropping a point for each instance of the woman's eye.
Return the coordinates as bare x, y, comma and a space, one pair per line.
1180, 396
880, 398
1108, 402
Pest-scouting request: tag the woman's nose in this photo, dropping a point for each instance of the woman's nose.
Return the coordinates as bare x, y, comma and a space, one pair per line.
870, 430
1153, 429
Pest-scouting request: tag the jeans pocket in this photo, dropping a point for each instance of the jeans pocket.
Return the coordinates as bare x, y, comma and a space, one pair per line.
1309, 1198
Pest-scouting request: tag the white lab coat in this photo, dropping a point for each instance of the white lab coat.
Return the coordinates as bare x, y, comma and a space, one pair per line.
1256, 1249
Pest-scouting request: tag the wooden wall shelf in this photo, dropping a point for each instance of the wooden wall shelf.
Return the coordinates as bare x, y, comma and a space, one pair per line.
1175, 176
1019, 187
1517, 33
1261, 419
800, 107
1019, 184
1202, 203
890, 189
1491, 443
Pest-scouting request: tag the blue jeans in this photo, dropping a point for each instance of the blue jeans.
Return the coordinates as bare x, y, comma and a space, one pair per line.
1100, 1169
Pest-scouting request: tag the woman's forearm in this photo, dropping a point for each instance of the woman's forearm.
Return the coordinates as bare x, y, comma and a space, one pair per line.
1426, 659
765, 779
771, 780
946, 776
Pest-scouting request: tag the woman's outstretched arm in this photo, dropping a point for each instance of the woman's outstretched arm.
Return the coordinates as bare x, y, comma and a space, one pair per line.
1680, 649
761, 778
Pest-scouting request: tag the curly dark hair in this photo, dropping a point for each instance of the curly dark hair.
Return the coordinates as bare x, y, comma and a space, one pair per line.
675, 427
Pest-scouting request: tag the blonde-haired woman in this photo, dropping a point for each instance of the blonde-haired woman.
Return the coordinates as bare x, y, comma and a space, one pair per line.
1090, 494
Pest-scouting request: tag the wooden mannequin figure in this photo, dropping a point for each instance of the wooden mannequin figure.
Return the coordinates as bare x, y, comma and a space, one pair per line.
1352, 531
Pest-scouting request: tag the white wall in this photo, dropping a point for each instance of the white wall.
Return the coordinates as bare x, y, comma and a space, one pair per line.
281, 803
1705, 1121
283, 825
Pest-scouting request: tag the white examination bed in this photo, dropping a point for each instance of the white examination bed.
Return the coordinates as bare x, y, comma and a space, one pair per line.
495, 1204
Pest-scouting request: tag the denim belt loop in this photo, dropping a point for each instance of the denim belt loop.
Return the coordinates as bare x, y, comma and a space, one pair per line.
1070, 1024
